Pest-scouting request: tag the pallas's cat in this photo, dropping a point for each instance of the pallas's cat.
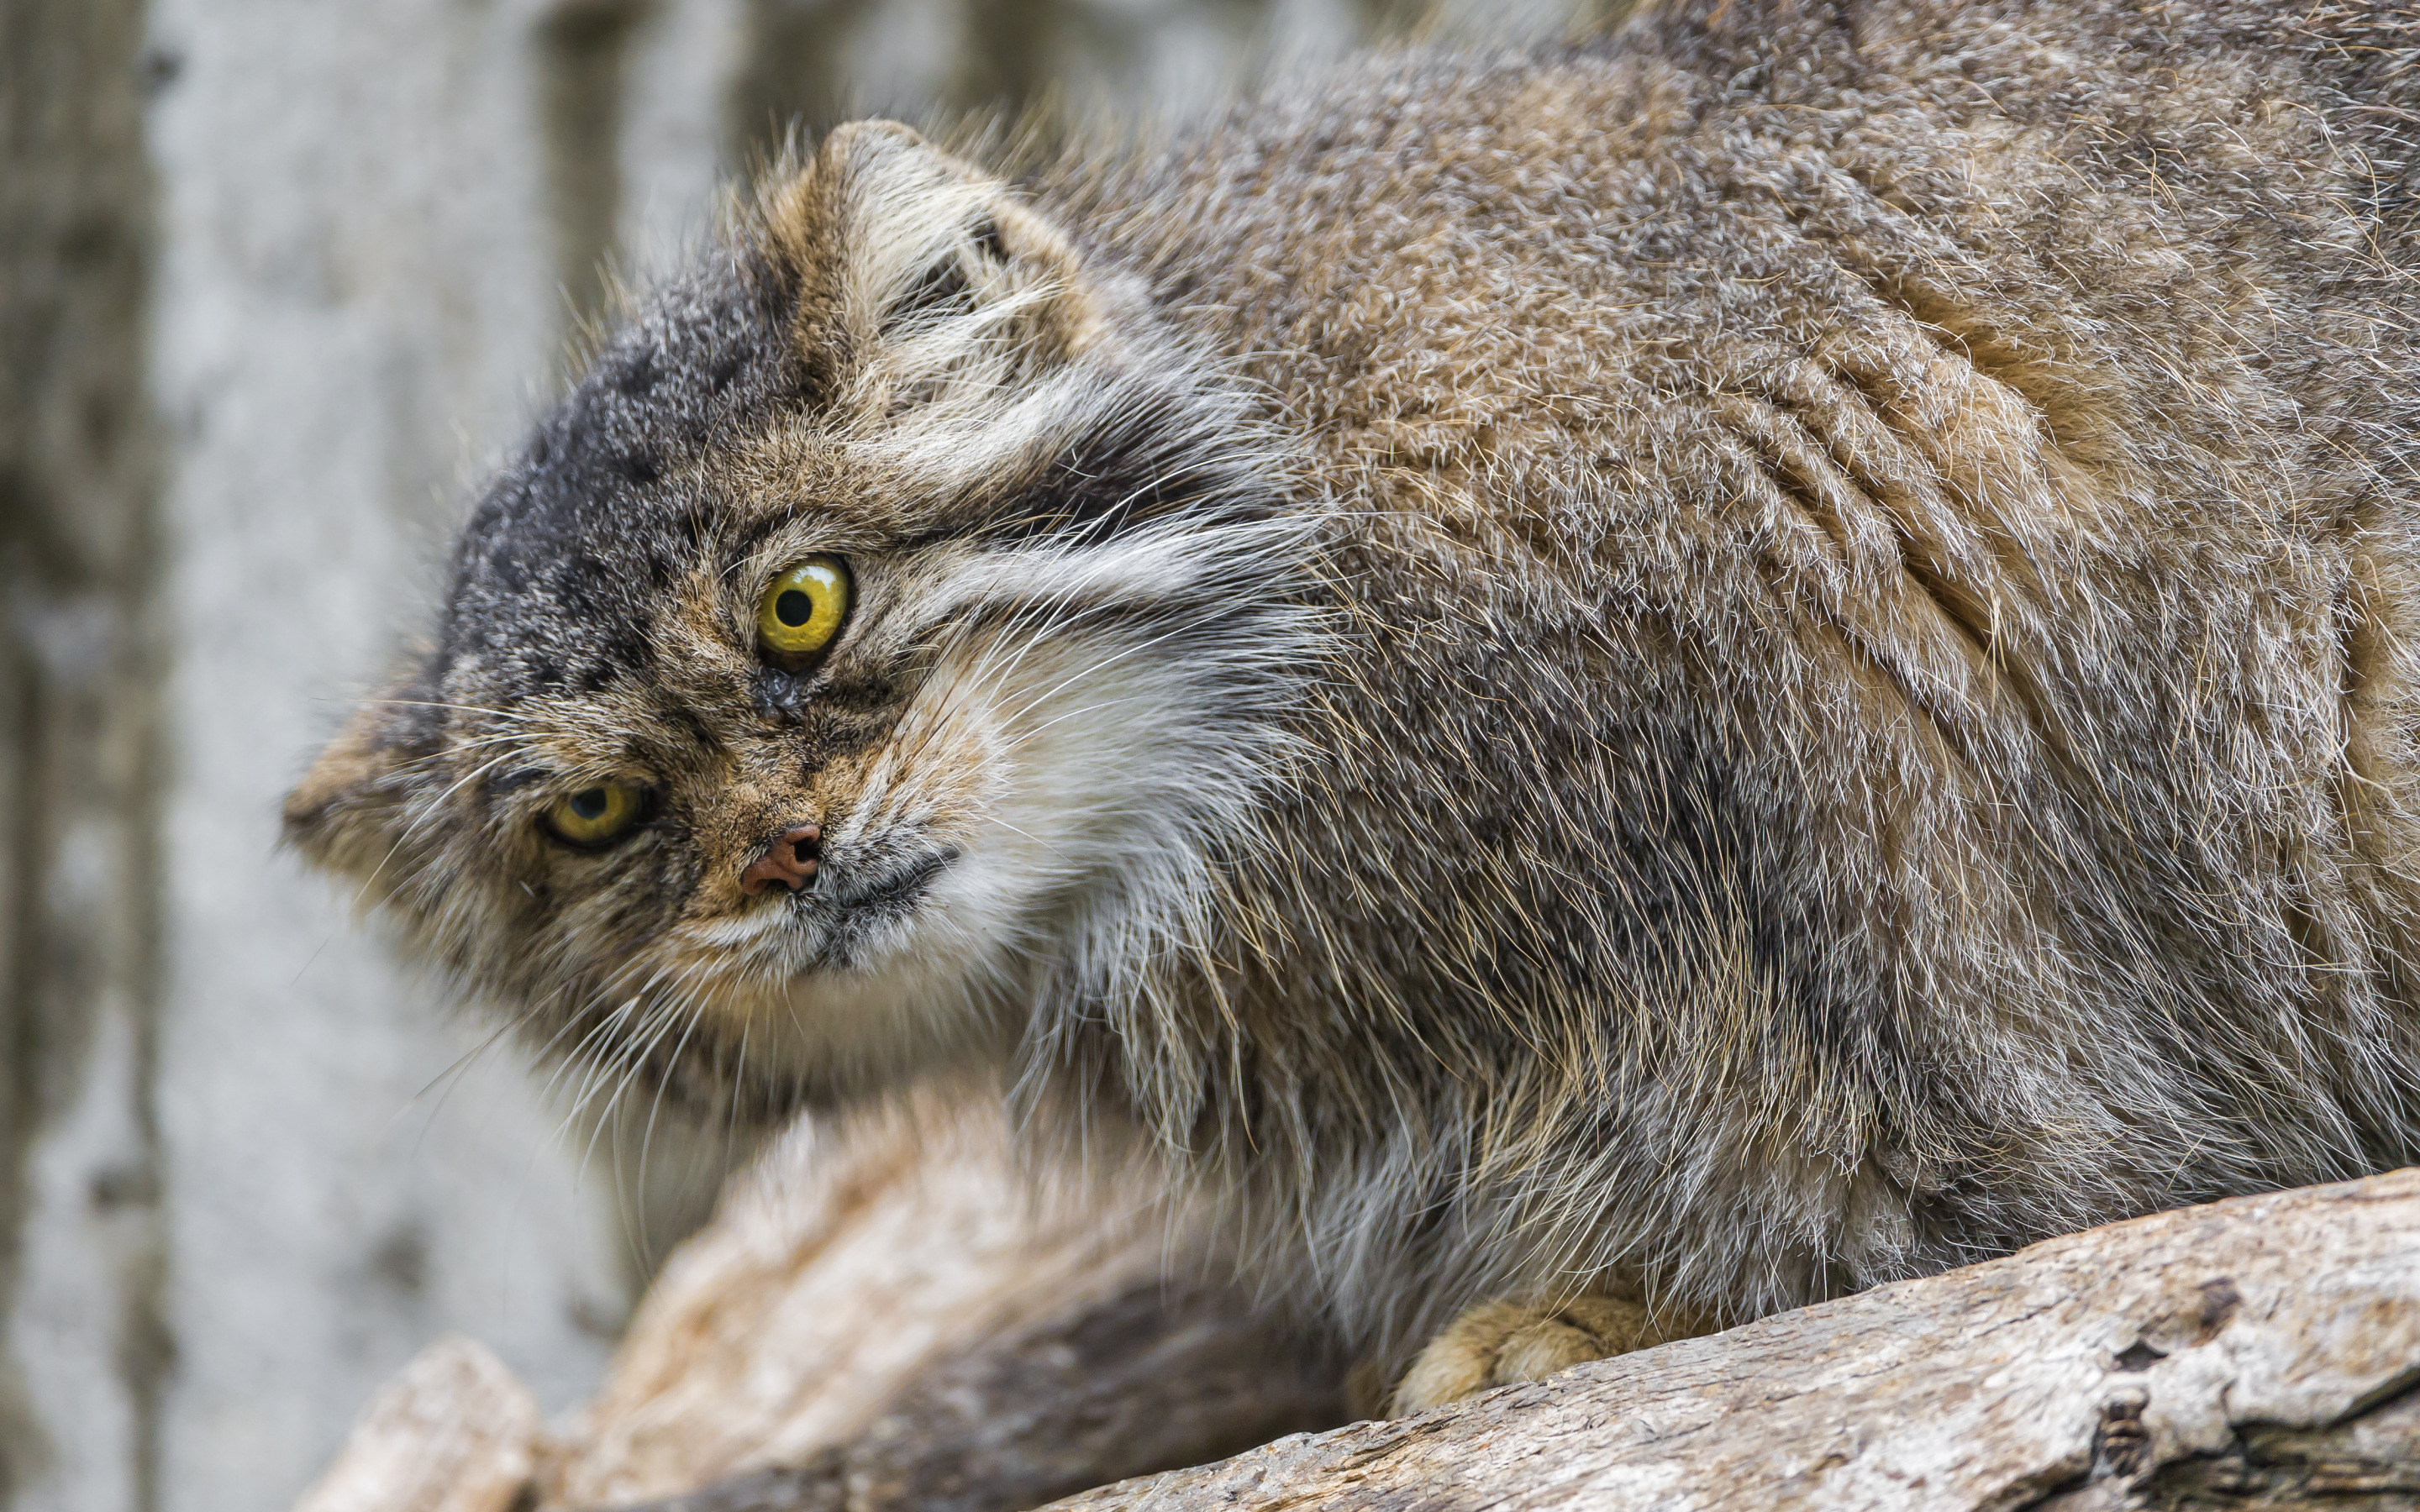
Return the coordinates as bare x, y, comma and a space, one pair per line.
1605, 690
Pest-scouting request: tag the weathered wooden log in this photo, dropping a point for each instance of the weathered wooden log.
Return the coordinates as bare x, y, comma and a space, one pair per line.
895, 1303
454, 1432
886, 1313
2262, 1352
1145, 1379
888, 1333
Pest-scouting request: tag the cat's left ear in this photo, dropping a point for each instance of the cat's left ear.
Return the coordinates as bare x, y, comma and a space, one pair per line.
924, 280
346, 814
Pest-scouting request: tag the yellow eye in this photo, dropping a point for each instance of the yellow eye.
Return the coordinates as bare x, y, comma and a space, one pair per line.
594, 815
801, 611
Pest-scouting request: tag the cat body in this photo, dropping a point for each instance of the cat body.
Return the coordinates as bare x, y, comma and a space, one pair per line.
1716, 667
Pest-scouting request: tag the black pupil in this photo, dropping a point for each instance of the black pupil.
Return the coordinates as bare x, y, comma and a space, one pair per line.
793, 608
590, 803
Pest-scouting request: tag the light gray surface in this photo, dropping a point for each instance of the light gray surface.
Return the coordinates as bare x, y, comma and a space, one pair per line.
81, 1242
338, 248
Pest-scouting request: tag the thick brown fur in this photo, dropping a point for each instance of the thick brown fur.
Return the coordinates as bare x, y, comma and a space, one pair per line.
1779, 651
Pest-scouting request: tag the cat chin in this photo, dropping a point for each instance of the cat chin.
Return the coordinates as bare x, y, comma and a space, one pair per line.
860, 998
864, 1031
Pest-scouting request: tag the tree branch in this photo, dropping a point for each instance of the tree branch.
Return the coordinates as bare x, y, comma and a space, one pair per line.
896, 1335
2259, 1352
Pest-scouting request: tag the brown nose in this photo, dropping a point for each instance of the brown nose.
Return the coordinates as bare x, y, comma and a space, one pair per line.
790, 865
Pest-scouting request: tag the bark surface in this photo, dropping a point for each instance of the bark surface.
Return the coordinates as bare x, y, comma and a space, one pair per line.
2258, 1353
884, 1316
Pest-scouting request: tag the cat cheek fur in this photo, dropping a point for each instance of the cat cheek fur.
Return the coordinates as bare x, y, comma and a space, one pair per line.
1073, 782
346, 815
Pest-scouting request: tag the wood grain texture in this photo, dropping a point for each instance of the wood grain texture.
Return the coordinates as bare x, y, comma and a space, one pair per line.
456, 1431
892, 1306
1143, 1379
2256, 1352
882, 1337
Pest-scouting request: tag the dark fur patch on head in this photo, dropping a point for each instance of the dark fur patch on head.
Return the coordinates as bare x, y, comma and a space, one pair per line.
557, 571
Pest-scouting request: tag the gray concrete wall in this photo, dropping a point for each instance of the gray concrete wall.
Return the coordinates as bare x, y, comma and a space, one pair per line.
277, 278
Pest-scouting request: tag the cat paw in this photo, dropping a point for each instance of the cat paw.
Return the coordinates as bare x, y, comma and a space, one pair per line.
1501, 1343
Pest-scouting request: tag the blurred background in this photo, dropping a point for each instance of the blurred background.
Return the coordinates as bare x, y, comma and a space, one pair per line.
278, 278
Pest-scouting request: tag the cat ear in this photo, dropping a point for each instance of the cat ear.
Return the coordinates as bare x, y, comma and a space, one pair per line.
346, 815
922, 279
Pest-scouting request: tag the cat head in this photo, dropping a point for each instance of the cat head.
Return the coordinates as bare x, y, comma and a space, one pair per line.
894, 632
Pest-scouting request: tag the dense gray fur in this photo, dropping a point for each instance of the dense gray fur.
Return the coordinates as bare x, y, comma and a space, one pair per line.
1769, 654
